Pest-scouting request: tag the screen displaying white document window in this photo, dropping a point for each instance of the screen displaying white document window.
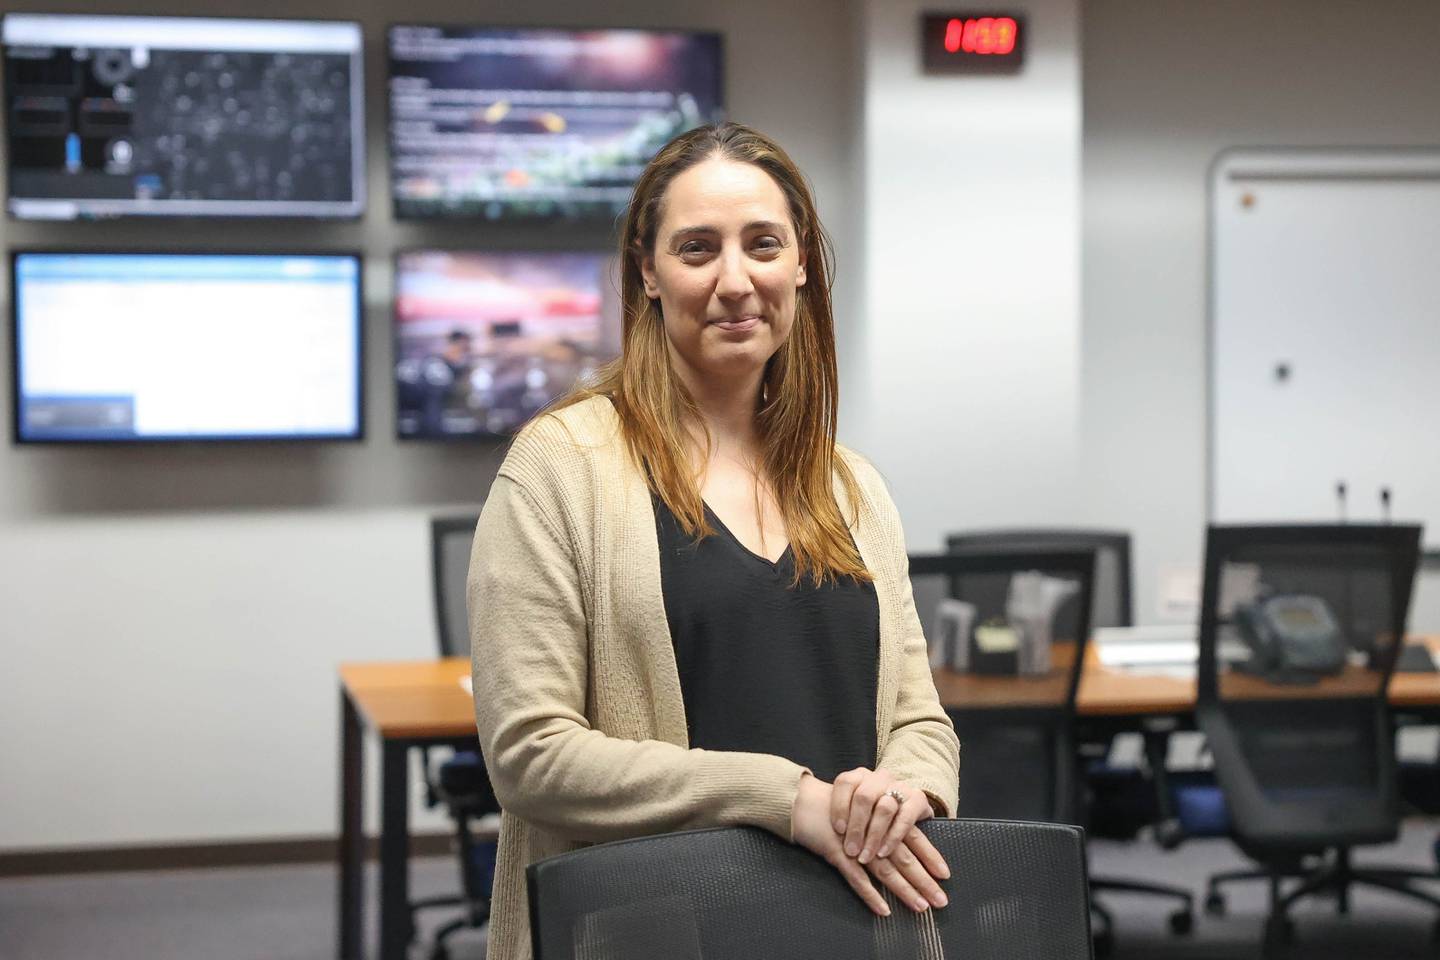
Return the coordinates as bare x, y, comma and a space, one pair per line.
126, 347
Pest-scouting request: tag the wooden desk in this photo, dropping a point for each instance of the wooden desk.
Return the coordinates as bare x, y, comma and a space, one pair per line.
421, 703
410, 704
1110, 692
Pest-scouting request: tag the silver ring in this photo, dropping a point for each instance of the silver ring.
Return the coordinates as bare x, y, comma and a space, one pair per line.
897, 795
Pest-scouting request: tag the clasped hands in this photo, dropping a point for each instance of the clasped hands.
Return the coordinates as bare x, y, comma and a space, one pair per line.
858, 827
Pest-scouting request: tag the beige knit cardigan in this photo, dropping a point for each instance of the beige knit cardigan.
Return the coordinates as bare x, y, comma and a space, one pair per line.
577, 695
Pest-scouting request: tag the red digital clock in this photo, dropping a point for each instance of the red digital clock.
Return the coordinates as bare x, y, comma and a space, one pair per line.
972, 42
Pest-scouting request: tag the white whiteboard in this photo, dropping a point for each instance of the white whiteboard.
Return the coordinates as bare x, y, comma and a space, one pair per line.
1325, 264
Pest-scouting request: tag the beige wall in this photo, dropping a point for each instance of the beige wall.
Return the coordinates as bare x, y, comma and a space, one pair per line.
171, 617
1167, 86
969, 381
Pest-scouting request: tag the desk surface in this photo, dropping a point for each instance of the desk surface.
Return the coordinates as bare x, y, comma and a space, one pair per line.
412, 698
424, 699
1110, 692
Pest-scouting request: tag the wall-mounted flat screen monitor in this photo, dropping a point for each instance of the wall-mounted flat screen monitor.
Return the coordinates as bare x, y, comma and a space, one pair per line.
506, 124
182, 116
483, 341
123, 347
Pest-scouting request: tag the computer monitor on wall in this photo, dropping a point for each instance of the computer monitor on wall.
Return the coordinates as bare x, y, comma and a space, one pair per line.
182, 116
539, 124
484, 340
139, 347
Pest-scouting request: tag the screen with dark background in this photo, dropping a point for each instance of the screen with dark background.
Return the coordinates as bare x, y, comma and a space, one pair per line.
537, 124
248, 118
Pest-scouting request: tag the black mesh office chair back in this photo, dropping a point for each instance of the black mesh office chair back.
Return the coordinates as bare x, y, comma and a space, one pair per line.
1018, 890
1016, 741
1020, 761
1111, 603
450, 540
460, 781
1300, 628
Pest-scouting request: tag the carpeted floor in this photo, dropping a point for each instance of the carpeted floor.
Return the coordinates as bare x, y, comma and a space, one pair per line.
288, 913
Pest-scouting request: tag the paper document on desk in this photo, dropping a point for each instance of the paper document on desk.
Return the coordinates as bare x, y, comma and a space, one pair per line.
1176, 671
1168, 649
467, 685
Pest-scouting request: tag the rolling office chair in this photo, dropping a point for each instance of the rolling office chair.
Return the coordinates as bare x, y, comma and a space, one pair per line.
1017, 739
459, 782
1017, 733
1129, 803
1132, 798
1299, 631
1111, 605
738, 893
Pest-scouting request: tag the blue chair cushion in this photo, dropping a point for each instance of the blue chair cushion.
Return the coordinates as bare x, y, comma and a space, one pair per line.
1201, 810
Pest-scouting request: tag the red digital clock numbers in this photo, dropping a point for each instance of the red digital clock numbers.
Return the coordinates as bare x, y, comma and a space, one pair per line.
971, 42
982, 35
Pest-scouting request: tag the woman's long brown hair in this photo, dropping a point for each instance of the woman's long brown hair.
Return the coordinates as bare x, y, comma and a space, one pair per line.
796, 418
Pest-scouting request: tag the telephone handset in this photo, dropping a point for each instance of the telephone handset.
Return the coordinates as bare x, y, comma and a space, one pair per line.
1294, 637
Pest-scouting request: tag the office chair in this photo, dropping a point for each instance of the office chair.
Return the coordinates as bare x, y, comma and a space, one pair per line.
1017, 733
1300, 627
459, 782
738, 893
1111, 606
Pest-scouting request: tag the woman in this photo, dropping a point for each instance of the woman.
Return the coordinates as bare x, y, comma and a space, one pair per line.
689, 607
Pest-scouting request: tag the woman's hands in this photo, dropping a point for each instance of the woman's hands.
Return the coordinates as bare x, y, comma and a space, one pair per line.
864, 809
910, 868
810, 826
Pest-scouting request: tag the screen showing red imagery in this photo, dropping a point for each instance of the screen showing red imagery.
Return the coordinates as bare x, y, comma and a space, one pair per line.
485, 340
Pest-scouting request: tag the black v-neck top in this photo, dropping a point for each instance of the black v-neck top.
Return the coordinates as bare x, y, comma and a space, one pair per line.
766, 667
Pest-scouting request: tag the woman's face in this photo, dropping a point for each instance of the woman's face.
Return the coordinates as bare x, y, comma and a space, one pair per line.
725, 268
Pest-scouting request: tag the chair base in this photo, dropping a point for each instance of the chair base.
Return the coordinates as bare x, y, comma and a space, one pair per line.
475, 904
1182, 921
438, 951
1215, 900
1335, 876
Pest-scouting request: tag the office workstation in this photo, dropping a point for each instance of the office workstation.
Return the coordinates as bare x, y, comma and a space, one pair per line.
1093, 294
426, 702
